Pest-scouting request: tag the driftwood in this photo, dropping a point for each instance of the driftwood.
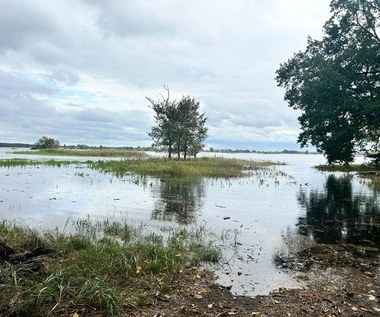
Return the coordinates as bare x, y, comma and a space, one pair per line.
8, 254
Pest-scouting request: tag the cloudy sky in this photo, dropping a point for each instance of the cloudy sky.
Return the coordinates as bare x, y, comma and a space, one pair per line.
79, 70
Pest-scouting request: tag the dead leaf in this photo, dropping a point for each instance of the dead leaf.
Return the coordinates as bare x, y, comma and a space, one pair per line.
203, 291
75, 314
138, 269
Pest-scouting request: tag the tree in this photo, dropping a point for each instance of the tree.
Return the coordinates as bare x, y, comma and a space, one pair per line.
164, 132
180, 127
335, 82
46, 143
191, 127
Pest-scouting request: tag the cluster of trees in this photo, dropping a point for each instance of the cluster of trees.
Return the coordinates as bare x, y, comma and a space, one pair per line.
335, 82
46, 143
180, 127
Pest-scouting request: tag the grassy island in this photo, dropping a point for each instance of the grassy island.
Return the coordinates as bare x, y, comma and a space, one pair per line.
201, 167
157, 167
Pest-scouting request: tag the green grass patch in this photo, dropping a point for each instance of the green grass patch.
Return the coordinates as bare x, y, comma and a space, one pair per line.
74, 152
163, 167
103, 269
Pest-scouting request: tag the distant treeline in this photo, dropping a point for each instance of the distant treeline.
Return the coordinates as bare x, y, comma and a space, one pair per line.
151, 149
15, 145
81, 147
102, 147
213, 150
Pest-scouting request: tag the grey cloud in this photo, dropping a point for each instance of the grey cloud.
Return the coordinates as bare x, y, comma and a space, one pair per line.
21, 23
131, 18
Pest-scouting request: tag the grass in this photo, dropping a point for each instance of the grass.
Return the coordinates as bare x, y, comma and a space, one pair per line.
162, 167
101, 268
100, 152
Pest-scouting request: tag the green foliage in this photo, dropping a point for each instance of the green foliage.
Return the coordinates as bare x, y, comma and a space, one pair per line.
46, 143
180, 127
335, 82
94, 270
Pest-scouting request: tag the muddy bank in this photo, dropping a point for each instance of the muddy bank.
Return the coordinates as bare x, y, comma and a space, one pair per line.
340, 280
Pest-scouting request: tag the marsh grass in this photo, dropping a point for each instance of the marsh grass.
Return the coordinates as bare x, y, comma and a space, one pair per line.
201, 167
101, 268
79, 152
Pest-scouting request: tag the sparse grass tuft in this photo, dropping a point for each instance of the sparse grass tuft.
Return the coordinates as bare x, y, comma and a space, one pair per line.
101, 268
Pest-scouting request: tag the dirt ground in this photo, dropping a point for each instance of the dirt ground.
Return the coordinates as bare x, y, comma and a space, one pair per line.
342, 280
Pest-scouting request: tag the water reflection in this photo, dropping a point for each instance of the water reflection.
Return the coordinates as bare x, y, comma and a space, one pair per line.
338, 213
179, 200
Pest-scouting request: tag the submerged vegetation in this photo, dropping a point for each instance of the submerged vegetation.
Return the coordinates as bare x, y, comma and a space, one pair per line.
101, 268
87, 152
202, 167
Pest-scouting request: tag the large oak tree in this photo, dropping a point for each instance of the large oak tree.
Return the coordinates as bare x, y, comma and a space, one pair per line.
335, 82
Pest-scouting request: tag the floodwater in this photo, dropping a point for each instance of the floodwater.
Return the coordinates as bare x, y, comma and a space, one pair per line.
258, 214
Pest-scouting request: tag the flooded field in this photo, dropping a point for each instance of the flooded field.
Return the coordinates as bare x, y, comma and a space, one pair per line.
263, 215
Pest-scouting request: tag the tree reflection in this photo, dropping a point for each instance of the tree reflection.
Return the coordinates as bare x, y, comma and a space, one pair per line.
339, 214
180, 200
